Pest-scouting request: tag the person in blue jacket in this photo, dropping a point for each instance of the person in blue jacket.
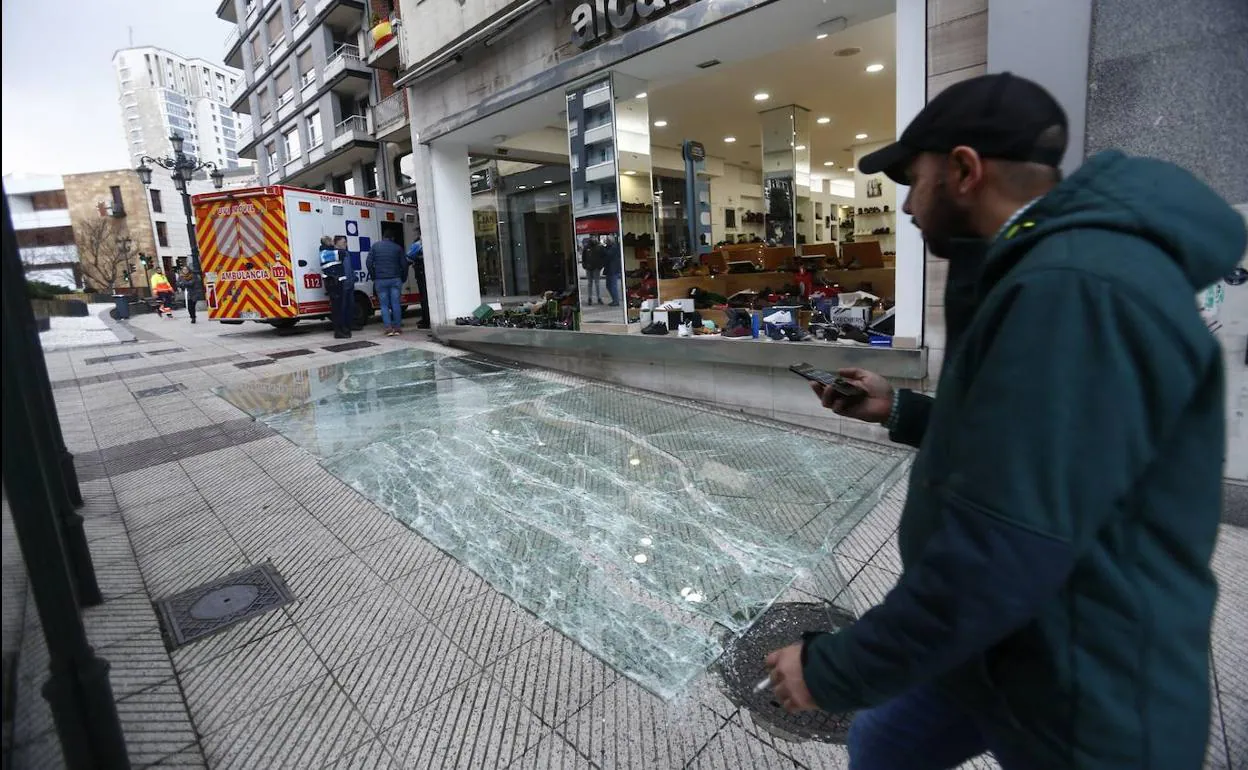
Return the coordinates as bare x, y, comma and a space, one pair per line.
334, 278
1056, 599
416, 256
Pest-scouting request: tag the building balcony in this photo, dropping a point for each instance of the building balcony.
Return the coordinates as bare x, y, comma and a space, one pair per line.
227, 12
300, 24
353, 129
238, 97
287, 105
346, 73
390, 121
234, 48
600, 95
34, 220
598, 134
386, 52
598, 171
339, 13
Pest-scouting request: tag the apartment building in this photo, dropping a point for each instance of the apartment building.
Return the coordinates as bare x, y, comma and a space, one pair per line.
318, 83
45, 237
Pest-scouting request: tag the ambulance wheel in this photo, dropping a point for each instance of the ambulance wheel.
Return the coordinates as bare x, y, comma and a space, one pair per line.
363, 310
284, 323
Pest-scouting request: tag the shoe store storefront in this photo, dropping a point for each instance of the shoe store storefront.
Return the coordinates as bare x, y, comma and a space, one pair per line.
672, 202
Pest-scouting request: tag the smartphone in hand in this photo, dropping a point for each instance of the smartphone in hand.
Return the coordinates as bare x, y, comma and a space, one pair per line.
843, 387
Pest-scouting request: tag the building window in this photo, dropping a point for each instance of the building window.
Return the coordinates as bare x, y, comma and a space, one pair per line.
291, 139
270, 156
51, 200
156, 205
162, 234
119, 206
307, 74
274, 25
285, 88
313, 122
262, 100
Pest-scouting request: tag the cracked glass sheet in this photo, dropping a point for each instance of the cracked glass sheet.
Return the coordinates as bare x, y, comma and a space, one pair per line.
640, 528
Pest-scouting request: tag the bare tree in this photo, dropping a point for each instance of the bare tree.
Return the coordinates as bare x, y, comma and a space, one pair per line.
104, 251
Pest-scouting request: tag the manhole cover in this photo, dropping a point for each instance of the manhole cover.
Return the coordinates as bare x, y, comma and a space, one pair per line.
254, 364
291, 353
741, 668
163, 390
165, 351
213, 607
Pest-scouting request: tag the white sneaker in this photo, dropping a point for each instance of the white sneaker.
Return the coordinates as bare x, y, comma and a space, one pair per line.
779, 317
686, 330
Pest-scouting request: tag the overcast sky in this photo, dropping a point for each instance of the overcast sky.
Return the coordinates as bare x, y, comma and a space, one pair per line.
60, 108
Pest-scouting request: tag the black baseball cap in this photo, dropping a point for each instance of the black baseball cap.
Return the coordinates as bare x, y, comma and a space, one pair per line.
1000, 116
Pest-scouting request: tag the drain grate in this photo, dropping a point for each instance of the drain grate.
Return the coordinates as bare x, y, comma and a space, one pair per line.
741, 668
165, 351
344, 346
254, 364
117, 357
163, 390
216, 606
290, 353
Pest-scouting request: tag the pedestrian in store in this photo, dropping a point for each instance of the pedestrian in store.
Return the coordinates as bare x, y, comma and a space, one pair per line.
192, 291
613, 269
163, 291
332, 278
416, 256
387, 269
1056, 599
591, 260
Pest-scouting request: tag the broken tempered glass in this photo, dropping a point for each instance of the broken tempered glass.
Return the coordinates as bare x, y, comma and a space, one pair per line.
641, 528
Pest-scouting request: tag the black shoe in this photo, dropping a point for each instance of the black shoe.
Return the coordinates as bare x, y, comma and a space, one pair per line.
192, 320
340, 336
613, 304
655, 328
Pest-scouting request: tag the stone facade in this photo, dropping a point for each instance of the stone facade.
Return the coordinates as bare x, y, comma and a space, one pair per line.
90, 200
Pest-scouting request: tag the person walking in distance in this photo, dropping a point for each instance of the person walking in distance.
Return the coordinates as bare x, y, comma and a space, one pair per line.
163, 291
1056, 599
416, 256
612, 269
332, 280
192, 290
591, 261
387, 268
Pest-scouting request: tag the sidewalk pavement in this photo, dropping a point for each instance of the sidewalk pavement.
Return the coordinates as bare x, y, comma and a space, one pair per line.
393, 655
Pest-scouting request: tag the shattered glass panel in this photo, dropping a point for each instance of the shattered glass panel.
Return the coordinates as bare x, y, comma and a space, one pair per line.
639, 527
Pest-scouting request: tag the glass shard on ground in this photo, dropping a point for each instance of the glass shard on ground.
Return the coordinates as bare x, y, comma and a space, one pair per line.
640, 527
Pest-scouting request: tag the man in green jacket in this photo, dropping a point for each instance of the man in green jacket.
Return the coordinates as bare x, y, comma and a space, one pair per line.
1056, 598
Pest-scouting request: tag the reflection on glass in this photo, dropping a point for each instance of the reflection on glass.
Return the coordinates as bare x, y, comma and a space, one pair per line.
781, 172
595, 198
632, 131
532, 484
482, 181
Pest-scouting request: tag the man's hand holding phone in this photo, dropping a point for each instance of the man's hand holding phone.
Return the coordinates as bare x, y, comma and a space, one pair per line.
874, 405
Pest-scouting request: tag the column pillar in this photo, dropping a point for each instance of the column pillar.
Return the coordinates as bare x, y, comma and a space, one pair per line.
445, 198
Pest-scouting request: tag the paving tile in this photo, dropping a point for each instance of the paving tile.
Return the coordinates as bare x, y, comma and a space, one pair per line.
870, 534
152, 484
440, 586
43, 751
331, 583
398, 555
732, 748
191, 564
190, 757
490, 626
809, 754
404, 675
352, 629
1235, 725
553, 676
475, 725
140, 516
119, 619
552, 753
360, 523
295, 550
243, 680
627, 727
155, 723
175, 530
136, 663
310, 727
373, 755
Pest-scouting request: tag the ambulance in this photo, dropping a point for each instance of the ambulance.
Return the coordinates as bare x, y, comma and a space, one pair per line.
259, 249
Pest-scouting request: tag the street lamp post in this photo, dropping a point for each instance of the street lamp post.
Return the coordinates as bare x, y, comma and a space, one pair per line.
182, 168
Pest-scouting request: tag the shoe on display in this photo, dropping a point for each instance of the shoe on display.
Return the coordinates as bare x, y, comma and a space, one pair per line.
685, 330
655, 328
735, 332
779, 317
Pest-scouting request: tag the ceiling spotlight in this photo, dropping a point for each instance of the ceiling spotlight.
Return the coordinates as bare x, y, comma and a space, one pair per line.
860, 136
630, 173
660, 123
730, 139
828, 163
821, 36
563, 195
823, 121
875, 67
762, 96
523, 187
850, 169
549, 181
675, 203
800, 147
641, 95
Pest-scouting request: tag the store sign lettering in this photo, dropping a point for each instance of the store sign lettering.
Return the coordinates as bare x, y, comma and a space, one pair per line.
593, 21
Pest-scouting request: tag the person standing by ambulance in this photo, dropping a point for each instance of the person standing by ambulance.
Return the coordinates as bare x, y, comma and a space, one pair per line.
332, 278
163, 290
